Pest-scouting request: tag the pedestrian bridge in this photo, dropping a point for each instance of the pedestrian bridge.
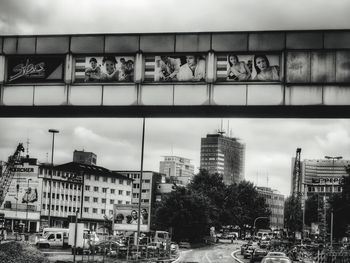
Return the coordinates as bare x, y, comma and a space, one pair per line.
306, 75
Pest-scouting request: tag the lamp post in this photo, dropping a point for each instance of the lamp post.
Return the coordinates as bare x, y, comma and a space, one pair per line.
333, 159
27, 223
53, 131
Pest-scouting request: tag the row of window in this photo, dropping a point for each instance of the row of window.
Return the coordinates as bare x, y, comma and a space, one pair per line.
106, 179
105, 190
65, 175
324, 189
103, 200
61, 196
59, 208
95, 211
63, 185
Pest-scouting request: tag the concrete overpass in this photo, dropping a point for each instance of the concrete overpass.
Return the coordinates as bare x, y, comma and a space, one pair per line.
313, 78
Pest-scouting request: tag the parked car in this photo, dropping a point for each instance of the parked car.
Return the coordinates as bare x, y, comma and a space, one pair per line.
264, 244
248, 252
243, 248
258, 255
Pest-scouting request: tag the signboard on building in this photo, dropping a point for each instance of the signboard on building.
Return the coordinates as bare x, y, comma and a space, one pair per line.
24, 190
174, 68
327, 180
109, 68
126, 217
33, 69
243, 68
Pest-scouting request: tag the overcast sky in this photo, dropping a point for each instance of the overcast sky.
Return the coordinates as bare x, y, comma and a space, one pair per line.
270, 143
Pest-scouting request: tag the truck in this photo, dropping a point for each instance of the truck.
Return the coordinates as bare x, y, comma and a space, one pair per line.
53, 237
84, 240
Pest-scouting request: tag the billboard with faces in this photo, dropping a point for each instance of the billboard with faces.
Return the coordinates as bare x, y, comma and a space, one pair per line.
175, 68
246, 68
109, 68
126, 217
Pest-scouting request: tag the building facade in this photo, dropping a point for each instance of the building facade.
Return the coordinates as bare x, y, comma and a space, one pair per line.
178, 169
223, 155
91, 190
84, 157
275, 202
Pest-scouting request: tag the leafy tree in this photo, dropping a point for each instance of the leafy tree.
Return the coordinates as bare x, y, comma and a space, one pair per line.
212, 187
186, 212
293, 214
311, 209
340, 206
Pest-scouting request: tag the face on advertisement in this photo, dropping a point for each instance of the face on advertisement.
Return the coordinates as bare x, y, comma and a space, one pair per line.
110, 66
191, 61
134, 214
233, 59
261, 63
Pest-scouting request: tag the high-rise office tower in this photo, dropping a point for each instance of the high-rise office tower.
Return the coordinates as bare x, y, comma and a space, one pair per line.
224, 155
177, 169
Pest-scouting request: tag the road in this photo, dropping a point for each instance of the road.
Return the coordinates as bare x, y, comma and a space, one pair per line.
221, 252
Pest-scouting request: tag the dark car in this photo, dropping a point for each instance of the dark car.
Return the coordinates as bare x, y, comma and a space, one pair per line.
258, 255
248, 252
243, 248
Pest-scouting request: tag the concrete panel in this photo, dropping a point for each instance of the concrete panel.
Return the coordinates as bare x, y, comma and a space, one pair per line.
298, 67
1, 39
230, 42
10, 45
303, 95
157, 95
18, 95
26, 45
266, 41
85, 95
192, 43
342, 66
322, 67
52, 45
50, 95
304, 40
119, 95
157, 43
265, 95
2, 69
191, 94
87, 44
336, 95
121, 44
230, 94
337, 39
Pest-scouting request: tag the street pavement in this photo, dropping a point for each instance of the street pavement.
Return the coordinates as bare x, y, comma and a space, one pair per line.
221, 252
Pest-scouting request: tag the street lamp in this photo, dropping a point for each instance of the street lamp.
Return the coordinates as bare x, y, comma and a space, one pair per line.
27, 223
53, 131
333, 159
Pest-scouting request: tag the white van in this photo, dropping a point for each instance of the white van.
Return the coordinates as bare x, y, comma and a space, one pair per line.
53, 237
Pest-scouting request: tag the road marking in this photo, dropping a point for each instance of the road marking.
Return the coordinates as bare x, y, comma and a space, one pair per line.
206, 256
180, 255
235, 258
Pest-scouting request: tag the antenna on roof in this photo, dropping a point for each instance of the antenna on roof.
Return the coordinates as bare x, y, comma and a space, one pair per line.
221, 130
27, 146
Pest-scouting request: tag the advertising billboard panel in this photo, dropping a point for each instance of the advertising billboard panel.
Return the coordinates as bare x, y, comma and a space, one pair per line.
34, 69
175, 68
253, 67
126, 217
109, 68
24, 190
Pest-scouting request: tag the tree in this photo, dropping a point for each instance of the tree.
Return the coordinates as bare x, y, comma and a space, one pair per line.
186, 212
213, 188
340, 206
293, 214
243, 205
312, 204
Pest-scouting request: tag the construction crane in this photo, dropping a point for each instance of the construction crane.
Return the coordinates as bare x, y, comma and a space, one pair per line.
297, 180
7, 176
